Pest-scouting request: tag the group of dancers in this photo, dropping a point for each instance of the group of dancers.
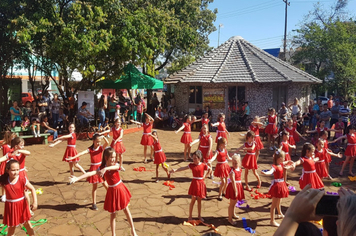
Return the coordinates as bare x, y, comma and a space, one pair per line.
107, 160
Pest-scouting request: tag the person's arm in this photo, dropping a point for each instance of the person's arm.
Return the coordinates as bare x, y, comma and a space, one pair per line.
105, 132
339, 138
213, 158
339, 155
55, 143
78, 155
136, 122
210, 146
308, 198
259, 124
180, 129
238, 149
25, 152
74, 179
4, 158
300, 135
48, 127
270, 172
311, 131
194, 142
34, 195
149, 117
114, 167
232, 178
179, 169
197, 120
106, 141
12, 112
155, 138
215, 124
292, 146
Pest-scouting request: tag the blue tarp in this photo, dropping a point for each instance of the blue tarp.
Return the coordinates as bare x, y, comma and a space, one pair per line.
273, 51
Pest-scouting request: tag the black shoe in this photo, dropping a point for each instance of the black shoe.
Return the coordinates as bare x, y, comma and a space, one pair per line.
94, 207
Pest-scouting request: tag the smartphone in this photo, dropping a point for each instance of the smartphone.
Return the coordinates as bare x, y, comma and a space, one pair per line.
327, 206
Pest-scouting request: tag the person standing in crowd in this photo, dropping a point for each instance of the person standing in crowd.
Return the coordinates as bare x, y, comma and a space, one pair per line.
325, 115
47, 99
54, 107
344, 113
71, 101
101, 111
335, 113
330, 102
317, 106
112, 107
283, 113
172, 100
295, 108
16, 113
158, 117
154, 102
198, 112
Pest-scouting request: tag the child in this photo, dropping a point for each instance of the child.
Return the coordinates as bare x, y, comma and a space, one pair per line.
255, 127
117, 195
309, 175
96, 152
234, 190
249, 161
139, 111
105, 127
186, 138
17, 210
293, 133
320, 165
339, 128
146, 139
70, 150
222, 168
350, 152
222, 131
320, 129
6, 148
35, 127
197, 188
271, 128
117, 112
117, 135
324, 137
296, 134
205, 145
160, 157
278, 188
25, 123
62, 120
284, 146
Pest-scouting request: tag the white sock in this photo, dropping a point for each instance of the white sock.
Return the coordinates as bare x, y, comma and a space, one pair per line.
38, 134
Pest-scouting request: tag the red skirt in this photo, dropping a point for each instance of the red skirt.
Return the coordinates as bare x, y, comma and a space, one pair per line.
16, 213
287, 157
204, 152
321, 170
186, 138
327, 158
230, 193
119, 147
279, 190
222, 170
296, 137
291, 140
117, 198
311, 178
350, 150
259, 143
249, 161
70, 152
220, 134
95, 179
197, 188
160, 157
146, 140
271, 129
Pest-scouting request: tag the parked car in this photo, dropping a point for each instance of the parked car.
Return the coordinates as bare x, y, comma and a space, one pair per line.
324, 100
26, 98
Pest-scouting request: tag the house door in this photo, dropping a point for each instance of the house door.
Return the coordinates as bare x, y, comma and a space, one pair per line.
279, 96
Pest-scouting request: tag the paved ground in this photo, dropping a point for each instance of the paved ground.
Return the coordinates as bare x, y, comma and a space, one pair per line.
156, 209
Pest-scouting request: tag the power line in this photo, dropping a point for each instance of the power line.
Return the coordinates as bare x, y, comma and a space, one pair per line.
249, 11
263, 39
246, 8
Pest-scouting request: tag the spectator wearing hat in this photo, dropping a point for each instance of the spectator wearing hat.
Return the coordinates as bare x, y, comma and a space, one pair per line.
335, 112
83, 114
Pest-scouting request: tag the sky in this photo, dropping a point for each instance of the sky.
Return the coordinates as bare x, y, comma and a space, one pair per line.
261, 22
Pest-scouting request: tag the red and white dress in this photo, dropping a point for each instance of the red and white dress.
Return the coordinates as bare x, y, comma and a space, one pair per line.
5, 150
160, 157
197, 187
278, 188
249, 161
186, 137
20, 157
222, 168
204, 146
320, 166
351, 145
203, 122
309, 175
146, 139
272, 125
118, 146
285, 148
95, 162
230, 193
16, 207
70, 150
118, 196
296, 136
326, 147
221, 131
291, 132
319, 130
258, 141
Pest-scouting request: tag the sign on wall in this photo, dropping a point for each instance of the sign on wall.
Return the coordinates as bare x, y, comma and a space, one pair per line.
214, 98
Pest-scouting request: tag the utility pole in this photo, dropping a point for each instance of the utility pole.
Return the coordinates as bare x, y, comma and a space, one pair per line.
285, 30
220, 26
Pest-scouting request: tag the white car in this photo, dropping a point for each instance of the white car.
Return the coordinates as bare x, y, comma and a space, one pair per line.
324, 100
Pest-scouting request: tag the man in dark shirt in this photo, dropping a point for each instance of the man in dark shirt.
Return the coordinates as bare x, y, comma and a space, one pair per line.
198, 112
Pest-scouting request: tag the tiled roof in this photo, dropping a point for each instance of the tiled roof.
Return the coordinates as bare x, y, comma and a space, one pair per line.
239, 61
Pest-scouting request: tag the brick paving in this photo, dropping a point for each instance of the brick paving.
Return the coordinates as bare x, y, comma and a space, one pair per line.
156, 210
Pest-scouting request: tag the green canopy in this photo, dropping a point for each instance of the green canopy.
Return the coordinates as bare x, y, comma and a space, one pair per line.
131, 78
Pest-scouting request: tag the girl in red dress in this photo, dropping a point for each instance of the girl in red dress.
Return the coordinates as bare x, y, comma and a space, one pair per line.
234, 190
186, 138
320, 129
222, 168
204, 121
221, 131
71, 151
309, 175
116, 143
324, 138
160, 157
96, 152
205, 144
197, 188
249, 161
17, 210
293, 133
284, 146
296, 134
146, 139
278, 188
6, 148
271, 128
117, 195
320, 165
255, 127
350, 152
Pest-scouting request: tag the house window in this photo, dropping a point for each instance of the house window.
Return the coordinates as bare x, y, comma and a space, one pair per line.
236, 98
195, 94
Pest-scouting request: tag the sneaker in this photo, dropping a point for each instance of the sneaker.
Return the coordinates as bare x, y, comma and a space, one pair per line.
3, 198
94, 207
